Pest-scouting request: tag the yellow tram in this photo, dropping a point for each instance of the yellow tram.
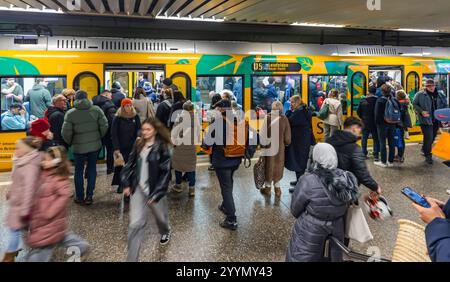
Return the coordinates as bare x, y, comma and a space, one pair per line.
198, 68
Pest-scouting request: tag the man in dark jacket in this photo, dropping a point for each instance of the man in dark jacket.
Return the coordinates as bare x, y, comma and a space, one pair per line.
437, 232
103, 101
426, 102
117, 94
350, 155
168, 83
366, 111
55, 115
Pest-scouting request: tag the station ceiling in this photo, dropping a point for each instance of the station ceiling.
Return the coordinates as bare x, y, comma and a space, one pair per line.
394, 14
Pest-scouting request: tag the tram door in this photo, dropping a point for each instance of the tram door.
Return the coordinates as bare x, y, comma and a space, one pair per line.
393, 74
358, 86
132, 76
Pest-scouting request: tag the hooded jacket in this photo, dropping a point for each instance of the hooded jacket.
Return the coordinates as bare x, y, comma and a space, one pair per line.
351, 157
159, 174
334, 117
55, 117
25, 181
84, 126
319, 204
48, 224
40, 99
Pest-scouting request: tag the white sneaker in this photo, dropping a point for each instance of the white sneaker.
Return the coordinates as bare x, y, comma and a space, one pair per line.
448, 191
380, 164
390, 164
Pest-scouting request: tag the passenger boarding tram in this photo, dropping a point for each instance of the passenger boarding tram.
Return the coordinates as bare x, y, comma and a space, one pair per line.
252, 71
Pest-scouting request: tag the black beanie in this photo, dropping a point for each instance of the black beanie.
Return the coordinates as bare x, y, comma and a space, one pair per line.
167, 81
80, 95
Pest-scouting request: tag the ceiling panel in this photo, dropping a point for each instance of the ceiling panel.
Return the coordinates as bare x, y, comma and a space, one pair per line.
394, 14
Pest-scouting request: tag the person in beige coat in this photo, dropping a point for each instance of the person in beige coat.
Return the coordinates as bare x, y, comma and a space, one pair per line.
185, 136
25, 182
274, 161
144, 107
335, 116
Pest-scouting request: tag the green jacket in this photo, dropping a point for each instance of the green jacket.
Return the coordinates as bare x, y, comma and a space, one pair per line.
18, 96
84, 126
40, 99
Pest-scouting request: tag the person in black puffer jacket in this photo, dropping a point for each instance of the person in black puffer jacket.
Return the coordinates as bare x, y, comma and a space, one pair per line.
104, 102
124, 132
117, 94
366, 111
177, 107
164, 109
55, 116
350, 155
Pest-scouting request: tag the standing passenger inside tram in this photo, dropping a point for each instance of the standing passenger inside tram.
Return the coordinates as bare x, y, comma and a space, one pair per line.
146, 178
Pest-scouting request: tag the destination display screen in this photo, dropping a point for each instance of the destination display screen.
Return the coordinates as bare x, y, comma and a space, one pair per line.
275, 67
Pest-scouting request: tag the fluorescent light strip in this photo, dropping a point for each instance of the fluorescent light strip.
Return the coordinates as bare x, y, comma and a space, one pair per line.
417, 30
32, 10
318, 25
45, 56
191, 19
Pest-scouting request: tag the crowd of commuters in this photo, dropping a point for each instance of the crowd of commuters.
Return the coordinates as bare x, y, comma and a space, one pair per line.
145, 139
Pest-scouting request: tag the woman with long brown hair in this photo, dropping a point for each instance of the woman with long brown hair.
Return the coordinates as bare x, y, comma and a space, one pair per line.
146, 178
143, 105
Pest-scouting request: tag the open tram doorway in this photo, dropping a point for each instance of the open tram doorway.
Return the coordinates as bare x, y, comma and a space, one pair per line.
131, 76
392, 75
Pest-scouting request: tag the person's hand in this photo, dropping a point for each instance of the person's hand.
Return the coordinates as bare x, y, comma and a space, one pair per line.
127, 192
438, 202
429, 214
425, 114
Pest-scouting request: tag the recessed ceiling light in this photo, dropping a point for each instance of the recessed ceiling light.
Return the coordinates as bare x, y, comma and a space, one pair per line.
190, 19
417, 30
318, 25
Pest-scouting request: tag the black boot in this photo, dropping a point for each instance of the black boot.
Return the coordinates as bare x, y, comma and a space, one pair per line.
231, 225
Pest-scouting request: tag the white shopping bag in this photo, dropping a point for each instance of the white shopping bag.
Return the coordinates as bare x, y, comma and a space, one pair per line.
356, 227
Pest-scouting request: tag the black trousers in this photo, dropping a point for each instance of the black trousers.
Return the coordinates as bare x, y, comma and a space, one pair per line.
107, 142
429, 135
225, 177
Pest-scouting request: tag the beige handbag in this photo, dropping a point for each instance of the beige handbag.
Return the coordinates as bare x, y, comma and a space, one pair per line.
356, 227
118, 160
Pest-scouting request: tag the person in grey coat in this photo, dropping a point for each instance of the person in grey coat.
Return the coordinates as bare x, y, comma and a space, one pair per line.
319, 203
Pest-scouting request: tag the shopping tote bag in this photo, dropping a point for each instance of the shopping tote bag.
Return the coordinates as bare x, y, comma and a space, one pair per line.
356, 227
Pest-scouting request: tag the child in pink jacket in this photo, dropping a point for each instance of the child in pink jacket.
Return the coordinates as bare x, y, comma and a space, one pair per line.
48, 223
25, 178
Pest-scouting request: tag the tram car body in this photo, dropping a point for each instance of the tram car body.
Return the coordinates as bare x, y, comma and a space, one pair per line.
256, 73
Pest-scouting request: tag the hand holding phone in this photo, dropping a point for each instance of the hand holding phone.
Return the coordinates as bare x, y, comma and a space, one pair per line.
415, 197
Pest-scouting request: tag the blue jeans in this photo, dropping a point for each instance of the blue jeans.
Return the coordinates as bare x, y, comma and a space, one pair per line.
376, 142
387, 132
14, 240
80, 160
190, 177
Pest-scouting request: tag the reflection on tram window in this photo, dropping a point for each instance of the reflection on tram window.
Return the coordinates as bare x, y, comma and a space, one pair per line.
441, 81
207, 85
320, 85
24, 99
268, 89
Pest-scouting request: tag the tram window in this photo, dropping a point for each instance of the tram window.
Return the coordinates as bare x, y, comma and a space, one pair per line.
24, 99
412, 84
441, 81
122, 77
267, 89
209, 84
320, 85
393, 76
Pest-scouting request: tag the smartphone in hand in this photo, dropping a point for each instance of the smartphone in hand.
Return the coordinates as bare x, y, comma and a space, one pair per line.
415, 197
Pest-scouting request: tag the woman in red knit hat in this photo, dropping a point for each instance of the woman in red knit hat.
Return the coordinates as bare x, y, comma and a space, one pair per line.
40, 128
